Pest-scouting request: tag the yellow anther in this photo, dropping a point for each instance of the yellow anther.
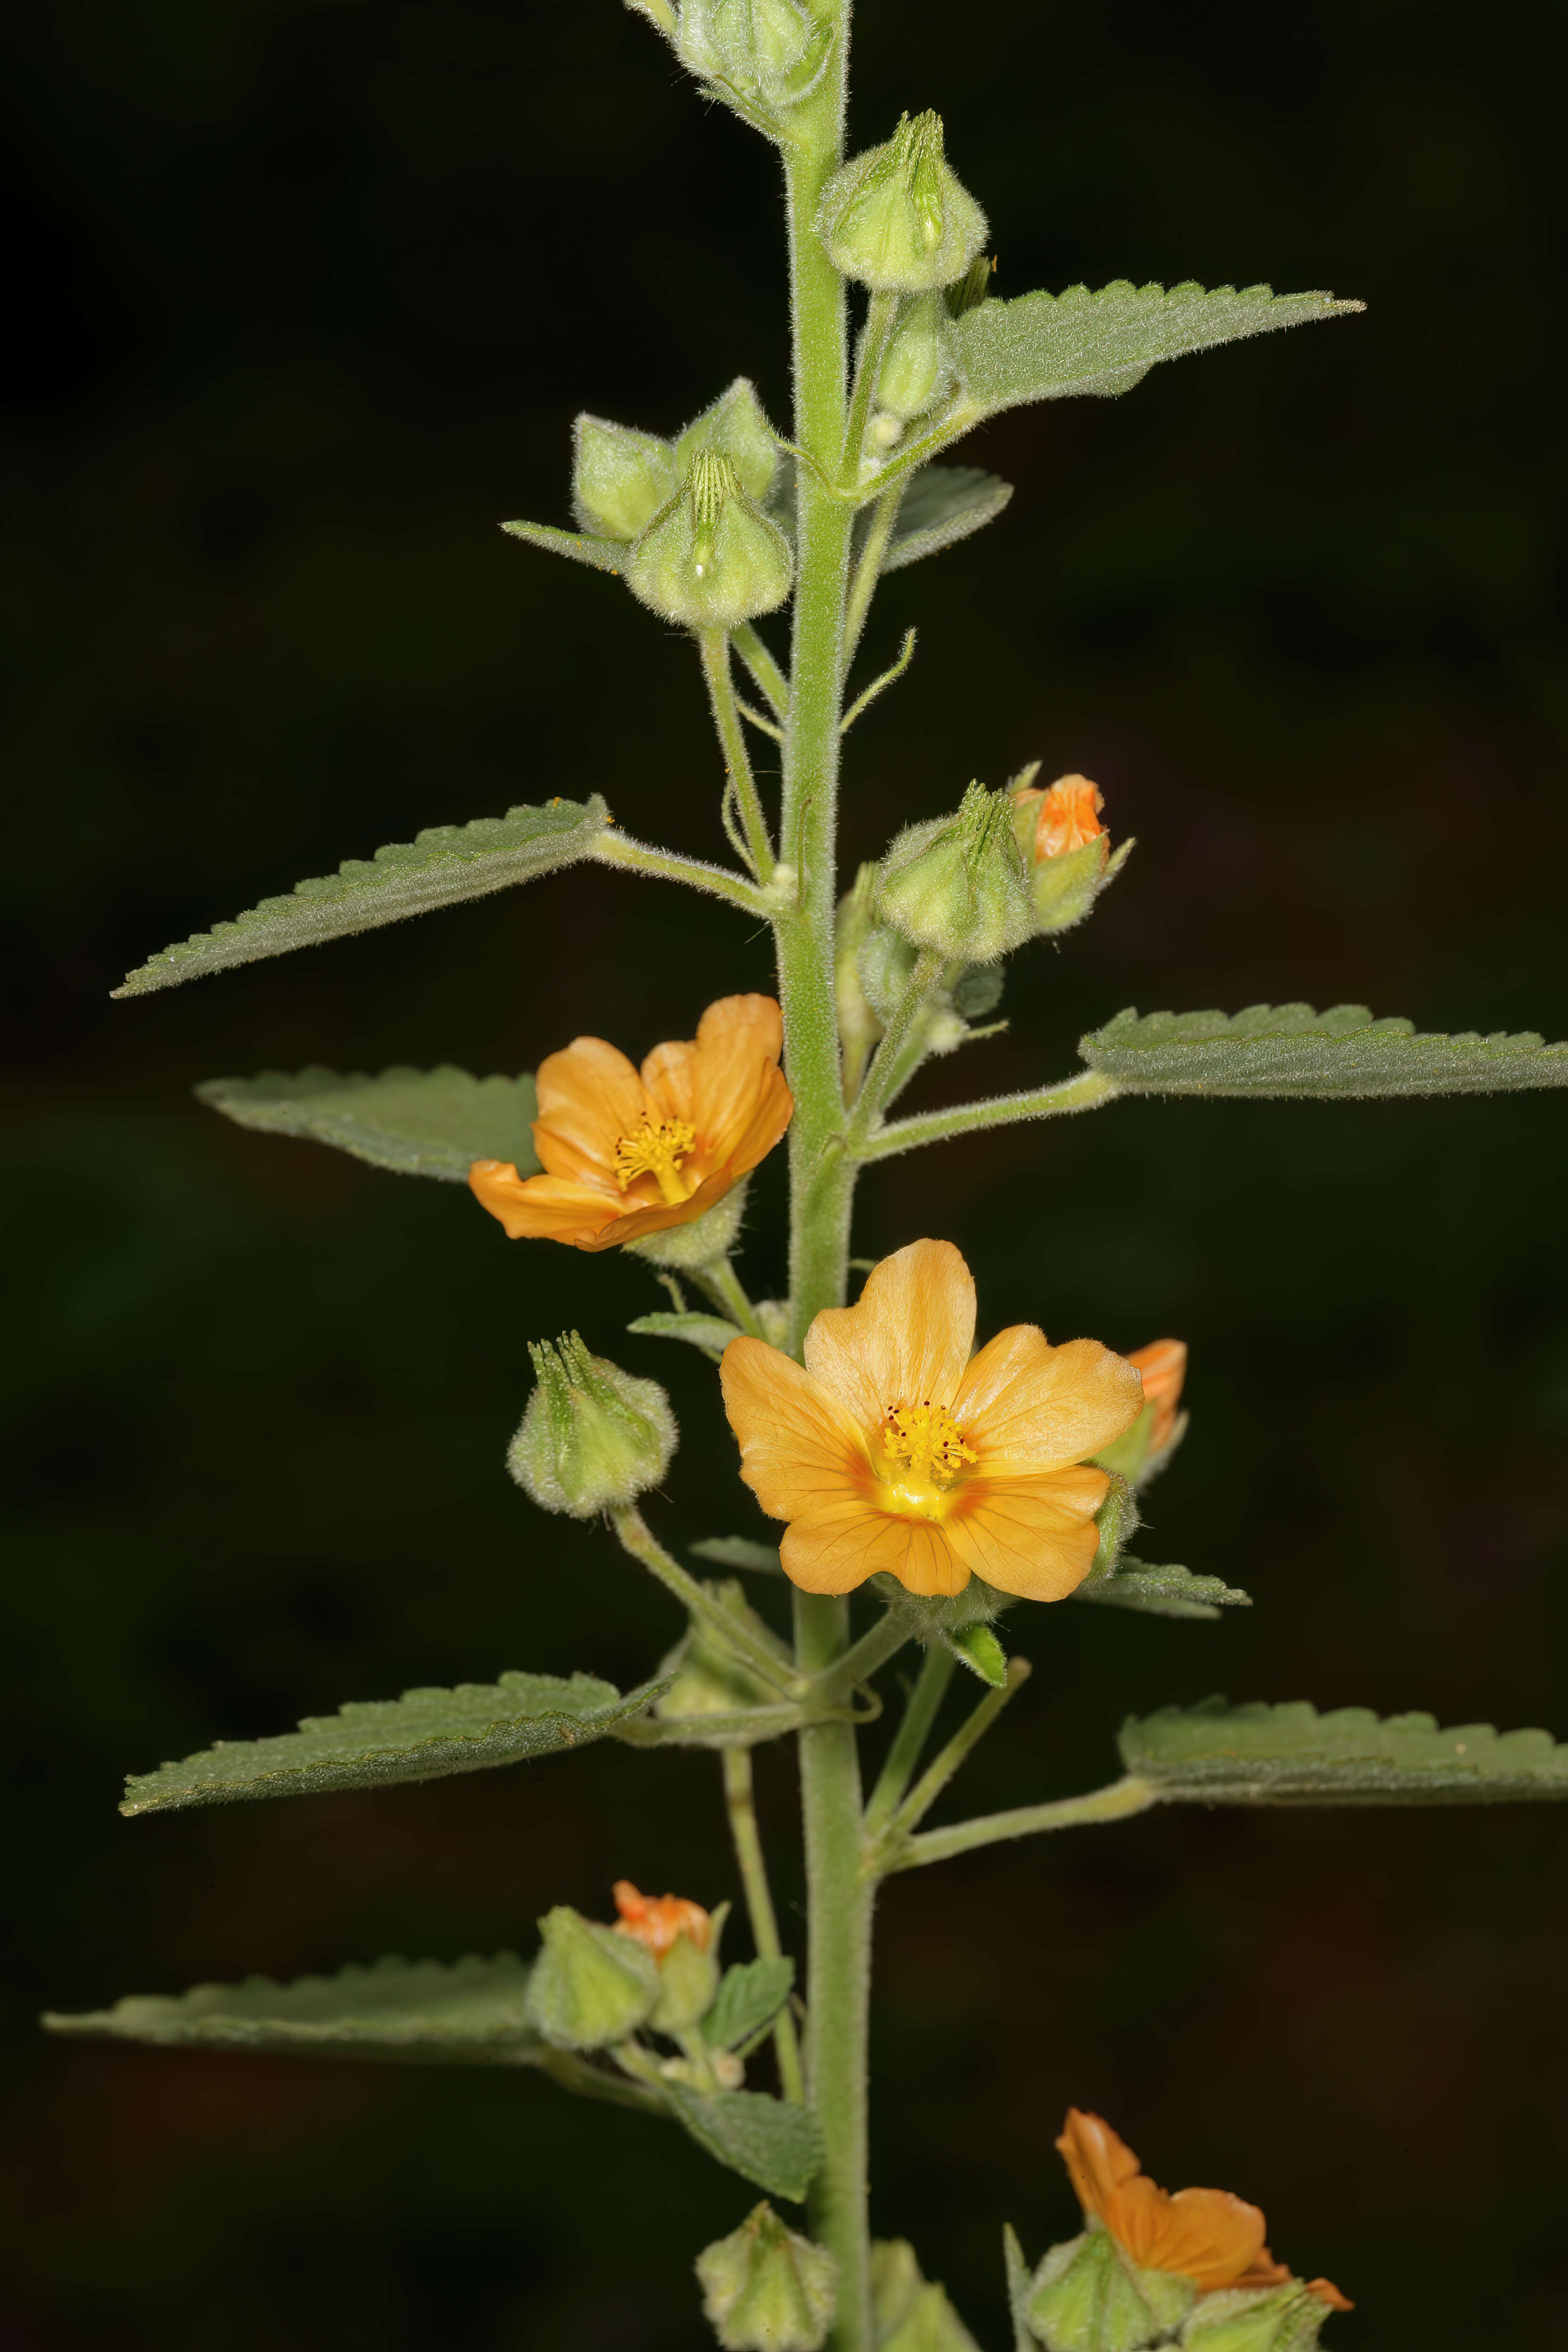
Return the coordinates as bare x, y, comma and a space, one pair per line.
924, 1444
657, 1148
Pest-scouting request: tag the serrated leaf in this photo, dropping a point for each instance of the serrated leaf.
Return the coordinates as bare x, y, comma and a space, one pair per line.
439, 867
469, 2012
423, 1735
1292, 1755
1168, 1591
712, 1333
415, 1122
1018, 2284
580, 546
750, 1997
1047, 346
1289, 1049
942, 505
768, 2141
739, 1552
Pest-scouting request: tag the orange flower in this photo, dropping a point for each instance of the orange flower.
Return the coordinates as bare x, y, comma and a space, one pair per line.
1066, 815
656, 1920
626, 1153
1164, 1364
1204, 2234
893, 1450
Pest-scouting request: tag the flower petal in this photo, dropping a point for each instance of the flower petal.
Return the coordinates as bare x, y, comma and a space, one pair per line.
834, 1551
1023, 1400
738, 1041
907, 1339
774, 1107
1098, 2159
589, 1097
1210, 2236
1032, 1535
800, 1453
542, 1208
667, 1081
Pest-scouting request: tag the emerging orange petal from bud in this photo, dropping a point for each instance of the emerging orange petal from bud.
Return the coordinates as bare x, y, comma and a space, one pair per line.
1204, 2234
626, 1153
1060, 819
656, 1920
1163, 1365
893, 1452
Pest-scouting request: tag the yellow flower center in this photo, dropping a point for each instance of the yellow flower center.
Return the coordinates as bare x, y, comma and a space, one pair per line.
657, 1148
923, 1450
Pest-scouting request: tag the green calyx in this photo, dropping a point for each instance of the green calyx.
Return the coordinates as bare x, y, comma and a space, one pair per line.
711, 559
759, 54
1088, 2295
959, 886
736, 427
897, 218
620, 477
591, 1985
766, 2289
1269, 2319
916, 368
909, 2313
688, 1982
593, 1437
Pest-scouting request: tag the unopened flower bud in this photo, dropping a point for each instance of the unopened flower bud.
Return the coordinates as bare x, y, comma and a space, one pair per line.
1276, 2319
590, 1985
770, 51
1160, 1428
766, 2289
1065, 846
620, 478
711, 559
683, 1938
960, 886
592, 1436
897, 218
734, 427
915, 369
1090, 2292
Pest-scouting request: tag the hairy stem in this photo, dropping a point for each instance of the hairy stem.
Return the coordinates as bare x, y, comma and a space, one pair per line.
879, 321
1086, 1092
739, 1801
714, 647
869, 569
909, 1741
1113, 1803
763, 668
934, 1779
637, 1537
616, 848
722, 1285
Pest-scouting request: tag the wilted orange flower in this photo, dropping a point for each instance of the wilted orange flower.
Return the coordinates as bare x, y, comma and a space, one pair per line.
626, 1153
1067, 814
893, 1450
1164, 1364
656, 1920
1204, 2234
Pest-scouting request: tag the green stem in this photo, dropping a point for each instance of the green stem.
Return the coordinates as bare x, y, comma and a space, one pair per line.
894, 1049
1114, 1803
887, 1636
914, 1730
714, 647
617, 848
722, 1284
763, 668
839, 1981
934, 1779
890, 676
869, 569
637, 1537
1086, 1092
879, 321
741, 1803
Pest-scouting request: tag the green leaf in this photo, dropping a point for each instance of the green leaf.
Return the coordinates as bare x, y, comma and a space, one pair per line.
1046, 346
712, 1333
749, 1998
738, 1551
1160, 1591
423, 1735
942, 505
415, 1122
604, 554
1019, 2282
1289, 1049
470, 2011
437, 868
768, 2141
1292, 1755
976, 1647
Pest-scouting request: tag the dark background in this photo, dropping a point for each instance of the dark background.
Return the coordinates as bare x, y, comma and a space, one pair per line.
310, 295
